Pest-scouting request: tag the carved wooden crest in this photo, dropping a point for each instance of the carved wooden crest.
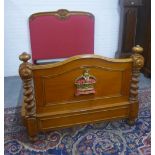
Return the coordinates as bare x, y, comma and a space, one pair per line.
85, 84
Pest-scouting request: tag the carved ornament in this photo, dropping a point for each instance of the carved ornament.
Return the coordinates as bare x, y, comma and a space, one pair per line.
61, 14
138, 59
25, 71
85, 84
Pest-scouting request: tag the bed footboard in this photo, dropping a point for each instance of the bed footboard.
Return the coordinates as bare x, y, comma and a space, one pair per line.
79, 90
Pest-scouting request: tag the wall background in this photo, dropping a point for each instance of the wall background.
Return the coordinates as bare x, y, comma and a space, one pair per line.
17, 31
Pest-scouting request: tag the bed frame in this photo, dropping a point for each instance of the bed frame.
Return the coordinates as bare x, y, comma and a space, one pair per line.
82, 89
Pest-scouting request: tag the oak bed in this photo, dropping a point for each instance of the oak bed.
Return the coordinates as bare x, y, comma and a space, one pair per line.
82, 89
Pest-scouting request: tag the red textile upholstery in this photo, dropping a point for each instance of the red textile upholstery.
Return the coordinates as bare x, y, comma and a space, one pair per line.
61, 34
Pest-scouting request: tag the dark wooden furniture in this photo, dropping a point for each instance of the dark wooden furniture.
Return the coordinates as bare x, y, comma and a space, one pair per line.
79, 90
143, 35
135, 28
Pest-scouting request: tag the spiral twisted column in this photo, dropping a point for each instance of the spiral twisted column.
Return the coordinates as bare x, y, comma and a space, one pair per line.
25, 72
138, 62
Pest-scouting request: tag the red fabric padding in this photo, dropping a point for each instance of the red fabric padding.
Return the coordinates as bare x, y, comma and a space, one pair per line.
52, 37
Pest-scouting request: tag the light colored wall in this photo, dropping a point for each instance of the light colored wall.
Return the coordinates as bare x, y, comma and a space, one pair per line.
17, 33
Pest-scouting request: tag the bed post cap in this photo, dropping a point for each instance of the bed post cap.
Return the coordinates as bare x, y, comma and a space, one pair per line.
138, 59
137, 49
25, 57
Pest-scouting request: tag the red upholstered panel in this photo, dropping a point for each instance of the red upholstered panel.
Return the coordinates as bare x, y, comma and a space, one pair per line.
52, 37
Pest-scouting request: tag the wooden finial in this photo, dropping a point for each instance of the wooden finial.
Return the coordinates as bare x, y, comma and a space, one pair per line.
25, 68
138, 59
137, 49
25, 57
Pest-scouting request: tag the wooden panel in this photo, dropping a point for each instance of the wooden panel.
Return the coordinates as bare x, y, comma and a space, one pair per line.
82, 117
81, 105
55, 85
61, 87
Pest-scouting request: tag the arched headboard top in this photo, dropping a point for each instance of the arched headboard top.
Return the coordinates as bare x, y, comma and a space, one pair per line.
61, 14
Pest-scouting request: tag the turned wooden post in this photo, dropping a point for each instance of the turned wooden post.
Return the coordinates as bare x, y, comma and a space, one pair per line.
25, 72
138, 62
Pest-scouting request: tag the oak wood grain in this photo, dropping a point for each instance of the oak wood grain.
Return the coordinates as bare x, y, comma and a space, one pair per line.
57, 106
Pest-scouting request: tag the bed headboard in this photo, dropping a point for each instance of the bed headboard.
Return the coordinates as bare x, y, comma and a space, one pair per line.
61, 34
